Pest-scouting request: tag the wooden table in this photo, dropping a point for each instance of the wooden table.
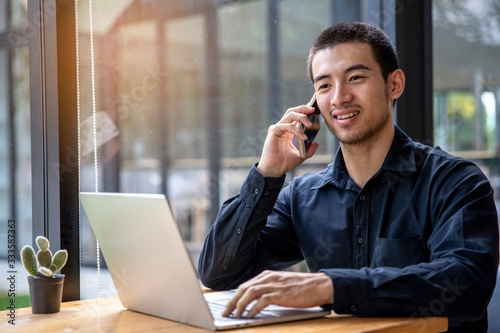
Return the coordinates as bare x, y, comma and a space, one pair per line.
108, 315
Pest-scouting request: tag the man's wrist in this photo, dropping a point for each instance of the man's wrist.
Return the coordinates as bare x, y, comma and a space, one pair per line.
269, 172
327, 287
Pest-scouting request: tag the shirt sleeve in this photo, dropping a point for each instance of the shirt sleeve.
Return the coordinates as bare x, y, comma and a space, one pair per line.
233, 251
457, 281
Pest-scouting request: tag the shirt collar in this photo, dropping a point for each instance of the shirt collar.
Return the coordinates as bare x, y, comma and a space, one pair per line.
400, 158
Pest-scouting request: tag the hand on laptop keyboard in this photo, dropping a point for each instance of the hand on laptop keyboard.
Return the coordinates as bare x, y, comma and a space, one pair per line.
218, 308
289, 289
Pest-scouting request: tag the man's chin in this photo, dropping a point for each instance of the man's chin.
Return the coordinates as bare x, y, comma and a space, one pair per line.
350, 137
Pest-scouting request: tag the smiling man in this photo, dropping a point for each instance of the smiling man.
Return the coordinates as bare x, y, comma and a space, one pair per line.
390, 228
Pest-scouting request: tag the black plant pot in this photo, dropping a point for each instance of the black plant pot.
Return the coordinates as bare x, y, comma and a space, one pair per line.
46, 293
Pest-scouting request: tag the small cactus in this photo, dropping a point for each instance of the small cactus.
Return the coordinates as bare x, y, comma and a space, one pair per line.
44, 258
30, 262
43, 243
43, 264
59, 260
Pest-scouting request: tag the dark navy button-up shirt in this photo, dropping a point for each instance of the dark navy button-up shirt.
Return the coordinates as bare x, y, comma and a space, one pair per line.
420, 239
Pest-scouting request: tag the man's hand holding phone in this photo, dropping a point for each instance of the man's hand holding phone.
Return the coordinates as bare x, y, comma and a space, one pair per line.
279, 154
310, 132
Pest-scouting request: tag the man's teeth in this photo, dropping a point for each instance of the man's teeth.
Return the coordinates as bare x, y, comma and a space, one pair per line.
345, 116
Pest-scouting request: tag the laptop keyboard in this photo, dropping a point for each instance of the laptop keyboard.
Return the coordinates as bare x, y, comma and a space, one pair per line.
217, 308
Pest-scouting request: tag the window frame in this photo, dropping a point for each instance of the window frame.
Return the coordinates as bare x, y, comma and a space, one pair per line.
55, 205
414, 45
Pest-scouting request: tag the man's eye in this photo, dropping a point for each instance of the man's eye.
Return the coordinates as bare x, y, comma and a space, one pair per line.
323, 86
356, 77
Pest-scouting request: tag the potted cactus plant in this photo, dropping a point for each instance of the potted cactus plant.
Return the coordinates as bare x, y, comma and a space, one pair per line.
45, 285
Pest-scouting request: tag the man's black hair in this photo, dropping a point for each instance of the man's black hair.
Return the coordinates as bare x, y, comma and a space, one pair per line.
383, 51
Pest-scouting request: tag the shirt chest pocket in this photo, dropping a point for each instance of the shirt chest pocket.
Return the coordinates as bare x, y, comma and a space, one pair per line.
399, 252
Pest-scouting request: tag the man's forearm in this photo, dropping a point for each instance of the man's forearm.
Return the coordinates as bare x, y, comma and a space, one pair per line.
412, 290
229, 250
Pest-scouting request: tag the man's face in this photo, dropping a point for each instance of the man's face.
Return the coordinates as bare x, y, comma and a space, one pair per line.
351, 92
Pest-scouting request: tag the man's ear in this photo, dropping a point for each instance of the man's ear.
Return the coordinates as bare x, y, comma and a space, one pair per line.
396, 82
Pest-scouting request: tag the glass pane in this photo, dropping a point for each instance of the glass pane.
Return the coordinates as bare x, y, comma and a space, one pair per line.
163, 72
467, 82
15, 153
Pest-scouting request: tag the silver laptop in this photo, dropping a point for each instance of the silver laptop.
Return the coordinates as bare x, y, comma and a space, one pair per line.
152, 270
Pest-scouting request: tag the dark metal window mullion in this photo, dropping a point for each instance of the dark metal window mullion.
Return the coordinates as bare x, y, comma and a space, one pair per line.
44, 125
53, 147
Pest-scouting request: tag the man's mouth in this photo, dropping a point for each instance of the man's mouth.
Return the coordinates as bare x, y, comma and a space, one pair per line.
346, 116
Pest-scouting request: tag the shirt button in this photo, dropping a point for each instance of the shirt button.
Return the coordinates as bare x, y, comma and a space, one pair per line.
362, 197
238, 231
354, 308
360, 240
382, 180
266, 193
256, 191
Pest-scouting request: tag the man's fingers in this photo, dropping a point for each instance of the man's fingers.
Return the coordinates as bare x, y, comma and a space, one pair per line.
262, 303
252, 293
300, 109
296, 118
228, 309
231, 305
281, 129
248, 292
297, 114
235, 301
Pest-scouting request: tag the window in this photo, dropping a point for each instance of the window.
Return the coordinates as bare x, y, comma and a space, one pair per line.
185, 93
182, 93
15, 153
467, 82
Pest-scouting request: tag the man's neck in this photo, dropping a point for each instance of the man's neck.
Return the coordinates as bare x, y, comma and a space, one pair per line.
365, 159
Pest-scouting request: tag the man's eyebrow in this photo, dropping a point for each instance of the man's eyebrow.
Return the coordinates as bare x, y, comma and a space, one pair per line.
347, 70
356, 67
321, 77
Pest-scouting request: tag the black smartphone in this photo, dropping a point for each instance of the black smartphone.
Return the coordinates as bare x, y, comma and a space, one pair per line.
310, 132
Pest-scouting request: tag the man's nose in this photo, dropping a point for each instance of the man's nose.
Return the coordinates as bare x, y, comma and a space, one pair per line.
341, 96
